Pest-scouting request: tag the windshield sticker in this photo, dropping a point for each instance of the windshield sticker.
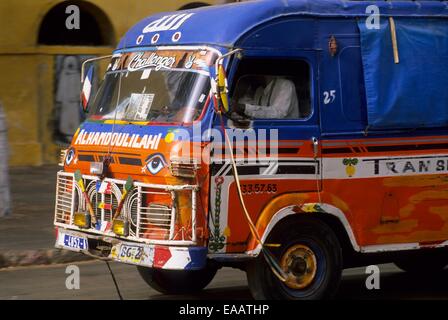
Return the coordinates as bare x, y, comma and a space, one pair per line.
139, 106
145, 74
190, 61
147, 141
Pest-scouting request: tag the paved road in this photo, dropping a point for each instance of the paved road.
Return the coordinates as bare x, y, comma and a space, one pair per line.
30, 226
48, 282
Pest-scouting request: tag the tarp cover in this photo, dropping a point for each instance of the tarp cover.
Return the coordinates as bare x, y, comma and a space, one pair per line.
414, 92
225, 25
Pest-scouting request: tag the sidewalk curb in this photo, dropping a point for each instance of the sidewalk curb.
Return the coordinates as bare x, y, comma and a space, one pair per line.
39, 257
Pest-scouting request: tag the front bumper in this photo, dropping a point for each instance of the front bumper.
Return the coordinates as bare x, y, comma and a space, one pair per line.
141, 254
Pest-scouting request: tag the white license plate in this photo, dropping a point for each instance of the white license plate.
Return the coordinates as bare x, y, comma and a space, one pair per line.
130, 254
74, 242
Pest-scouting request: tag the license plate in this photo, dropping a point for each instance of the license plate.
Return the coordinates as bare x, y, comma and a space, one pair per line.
130, 254
75, 242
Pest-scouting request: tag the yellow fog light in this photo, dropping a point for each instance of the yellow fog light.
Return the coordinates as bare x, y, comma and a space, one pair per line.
120, 227
82, 219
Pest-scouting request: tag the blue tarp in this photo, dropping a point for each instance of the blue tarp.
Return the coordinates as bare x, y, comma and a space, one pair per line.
224, 25
414, 92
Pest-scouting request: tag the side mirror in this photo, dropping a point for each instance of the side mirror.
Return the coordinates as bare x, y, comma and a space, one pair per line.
222, 99
223, 88
87, 88
219, 84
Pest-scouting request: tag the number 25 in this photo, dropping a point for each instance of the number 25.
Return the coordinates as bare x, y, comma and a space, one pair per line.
329, 96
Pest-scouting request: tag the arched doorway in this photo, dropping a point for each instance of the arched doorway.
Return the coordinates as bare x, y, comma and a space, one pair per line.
95, 27
73, 47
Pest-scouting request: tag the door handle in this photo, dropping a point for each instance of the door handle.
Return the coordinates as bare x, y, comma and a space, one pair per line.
315, 142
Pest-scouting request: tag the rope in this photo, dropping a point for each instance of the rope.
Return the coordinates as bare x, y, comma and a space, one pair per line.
114, 280
271, 260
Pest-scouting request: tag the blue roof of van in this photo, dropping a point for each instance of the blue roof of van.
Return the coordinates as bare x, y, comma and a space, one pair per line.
223, 25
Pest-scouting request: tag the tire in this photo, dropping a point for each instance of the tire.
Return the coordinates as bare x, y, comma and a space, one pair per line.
425, 262
177, 281
299, 237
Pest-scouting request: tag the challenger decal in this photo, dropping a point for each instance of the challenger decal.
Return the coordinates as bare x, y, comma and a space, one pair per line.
140, 62
119, 140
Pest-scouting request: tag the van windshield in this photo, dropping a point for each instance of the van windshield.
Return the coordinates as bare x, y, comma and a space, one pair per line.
156, 86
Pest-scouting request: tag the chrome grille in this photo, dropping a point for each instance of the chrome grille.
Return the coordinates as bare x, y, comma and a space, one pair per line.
131, 208
110, 201
64, 199
150, 221
156, 221
93, 197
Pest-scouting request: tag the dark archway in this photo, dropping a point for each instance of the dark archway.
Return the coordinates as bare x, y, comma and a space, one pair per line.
95, 27
193, 5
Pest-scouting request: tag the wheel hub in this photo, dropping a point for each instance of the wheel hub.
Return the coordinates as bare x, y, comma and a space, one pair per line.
299, 262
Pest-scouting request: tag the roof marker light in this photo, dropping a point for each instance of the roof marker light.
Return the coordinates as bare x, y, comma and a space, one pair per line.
139, 39
155, 38
176, 36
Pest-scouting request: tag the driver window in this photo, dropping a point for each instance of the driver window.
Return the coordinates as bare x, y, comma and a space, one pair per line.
272, 89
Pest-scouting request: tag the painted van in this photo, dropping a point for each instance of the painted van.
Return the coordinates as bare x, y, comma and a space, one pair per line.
356, 172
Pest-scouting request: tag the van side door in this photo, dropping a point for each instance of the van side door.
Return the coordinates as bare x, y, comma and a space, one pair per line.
276, 144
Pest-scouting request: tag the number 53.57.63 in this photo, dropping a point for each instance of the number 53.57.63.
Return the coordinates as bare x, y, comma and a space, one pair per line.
255, 188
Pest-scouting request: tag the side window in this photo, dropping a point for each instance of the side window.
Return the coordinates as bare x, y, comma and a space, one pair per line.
272, 89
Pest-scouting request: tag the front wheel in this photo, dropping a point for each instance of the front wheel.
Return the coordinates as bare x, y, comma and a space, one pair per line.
311, 256
177, 281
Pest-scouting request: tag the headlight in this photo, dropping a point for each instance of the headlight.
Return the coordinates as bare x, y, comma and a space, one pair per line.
120, 227
82, 219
